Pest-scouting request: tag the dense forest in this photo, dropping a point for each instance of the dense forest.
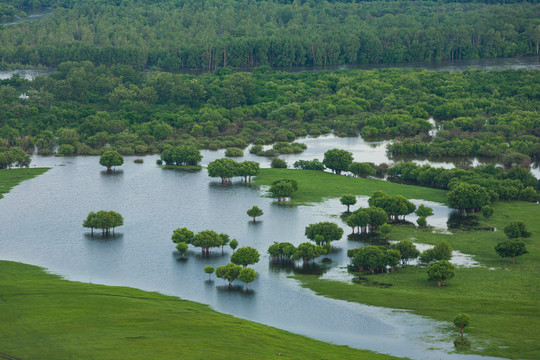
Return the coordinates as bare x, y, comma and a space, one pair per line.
192, 34
84, 109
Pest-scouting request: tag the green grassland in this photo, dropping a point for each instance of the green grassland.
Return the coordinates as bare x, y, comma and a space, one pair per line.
11, 177
315, 186
45, 317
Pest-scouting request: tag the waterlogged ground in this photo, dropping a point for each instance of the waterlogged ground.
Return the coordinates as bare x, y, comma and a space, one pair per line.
43, 219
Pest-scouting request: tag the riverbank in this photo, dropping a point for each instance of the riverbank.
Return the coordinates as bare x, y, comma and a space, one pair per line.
73, 320
10, 178
502, 299
315, 186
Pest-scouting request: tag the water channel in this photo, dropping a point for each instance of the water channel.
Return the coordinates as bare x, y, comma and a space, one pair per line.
42, 225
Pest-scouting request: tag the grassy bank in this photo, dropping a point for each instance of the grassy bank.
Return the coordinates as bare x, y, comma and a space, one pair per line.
45, 317
11, 177
314, 186
502, 299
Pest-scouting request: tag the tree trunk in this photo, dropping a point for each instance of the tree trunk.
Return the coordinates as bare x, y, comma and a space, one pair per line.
108, 169
513, 260
254, 220
247, 286
439, 283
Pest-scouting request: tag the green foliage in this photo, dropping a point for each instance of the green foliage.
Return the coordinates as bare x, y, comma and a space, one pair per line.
247, 275
364, 169
283, 188
314, 164
307, 251
441, 251
393, 205
104, 220
223, 168
182, 248
421, 221
461, 321
407, 249
209, 270
348, 200
440, 271
207, 239
327, 231
183, 235
487, 211
511, 248
233, 244
466, 197
111, 158
228, 272
181, 155
337, 160
385, 230
278, 163
516, 229
255, 212
245, 256
234, 152
424, 211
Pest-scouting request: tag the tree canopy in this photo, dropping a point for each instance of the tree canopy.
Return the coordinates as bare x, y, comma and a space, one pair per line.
111, 158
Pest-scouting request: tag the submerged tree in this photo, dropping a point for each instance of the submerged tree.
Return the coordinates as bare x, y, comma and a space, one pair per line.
111, 158
255, 212
327, 232
461, 321
104, 220
209, 270
247, 275
245, 256
228, 272
348, 200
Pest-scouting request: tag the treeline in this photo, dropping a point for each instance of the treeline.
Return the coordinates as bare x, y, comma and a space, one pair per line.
82, 109
193, 34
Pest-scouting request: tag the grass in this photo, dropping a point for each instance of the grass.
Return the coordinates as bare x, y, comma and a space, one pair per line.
502, 299
12, 177
314, 186
45, 317
188, 168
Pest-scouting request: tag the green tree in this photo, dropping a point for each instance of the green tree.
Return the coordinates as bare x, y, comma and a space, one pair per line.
207, 239
182, 235
182, 248
423, 211
421, 221
327, 231
364, 169
441, 251
233, 244
234, 152
247, 275
461, 321
385, 230
407, 250
278, 163
282, 189
228, 272
209, 270
90, 221
393, 258
337, 160
348, 200
440, 271
511, 248
245, 256
223, 168
487, 211
467, 197
307, 251
516, 229
104, 220
255, 212
111, 158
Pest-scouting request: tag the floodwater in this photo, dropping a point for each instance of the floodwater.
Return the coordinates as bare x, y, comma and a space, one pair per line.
41, 224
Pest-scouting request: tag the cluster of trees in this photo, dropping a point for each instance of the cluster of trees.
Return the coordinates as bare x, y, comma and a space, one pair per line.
513, 246
226, 169
279, 148
82, 109
205, 240
440, 271
394, 205
231, 272
374, 259
283, 189
104, 220
305, 251
441, 251
13, 156
183, 35
181, 155
314, 164
364, 219
471, 189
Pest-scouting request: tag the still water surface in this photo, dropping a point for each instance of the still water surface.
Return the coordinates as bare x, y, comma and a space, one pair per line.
41, 224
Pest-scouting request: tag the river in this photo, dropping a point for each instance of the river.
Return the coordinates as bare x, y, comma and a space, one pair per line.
42, 221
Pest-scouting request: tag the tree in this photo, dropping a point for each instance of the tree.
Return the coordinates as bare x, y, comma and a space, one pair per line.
364, 169
111, 158
327, 230
421, 221
337, 160
423, 211
441, 251
223, 168
182, 235
370, 258
278, 163
307, 251
516, 229
255, 212
224, 240
247, 275
207, 239
182, 247
209, 270
234, 152
247, 169
385, 230
360, 219
440, 271
233, 244
511, 248
467, 197
407, 250
282, 189
245, 256
392, 258
461, 321
348, 200
89, 221
377, 217
487, 211
228, 272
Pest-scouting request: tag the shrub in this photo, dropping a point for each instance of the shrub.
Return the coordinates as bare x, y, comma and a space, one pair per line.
278, 163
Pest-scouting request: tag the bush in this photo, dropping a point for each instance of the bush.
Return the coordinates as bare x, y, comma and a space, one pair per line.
422, 222
278, 163
256, 149
138, 161
159, 162
234, 152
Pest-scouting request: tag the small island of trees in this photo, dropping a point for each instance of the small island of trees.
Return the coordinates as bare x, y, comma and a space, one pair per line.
103, 220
